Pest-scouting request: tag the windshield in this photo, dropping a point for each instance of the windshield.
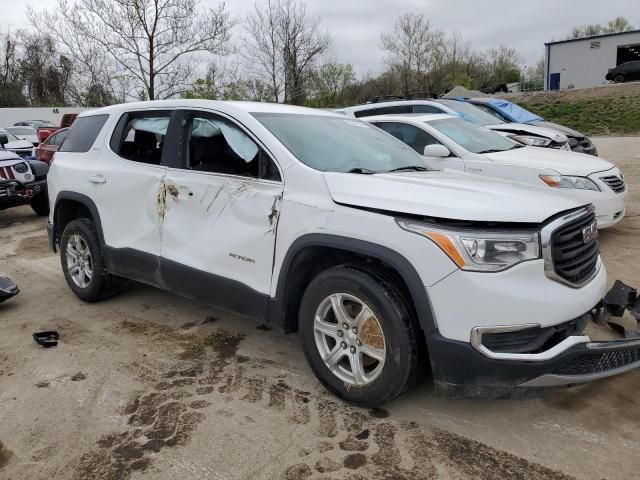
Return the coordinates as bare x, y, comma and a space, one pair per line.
473, 138
21, 130
10, 136
333, 144
470, 112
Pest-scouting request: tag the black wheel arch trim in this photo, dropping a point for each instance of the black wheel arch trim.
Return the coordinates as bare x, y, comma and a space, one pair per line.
391, 257
82, 199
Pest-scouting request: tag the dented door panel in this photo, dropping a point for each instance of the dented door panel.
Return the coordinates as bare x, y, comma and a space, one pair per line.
222, 224
130, 203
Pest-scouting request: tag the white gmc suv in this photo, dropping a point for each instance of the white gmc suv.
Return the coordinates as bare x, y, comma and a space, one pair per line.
310, 221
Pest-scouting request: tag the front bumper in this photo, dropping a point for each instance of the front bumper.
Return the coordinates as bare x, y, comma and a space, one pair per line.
462, 371
14, 194
583, 145
498, 369
610, 206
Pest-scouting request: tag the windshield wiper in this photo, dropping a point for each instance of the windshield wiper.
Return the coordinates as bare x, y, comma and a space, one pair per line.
416, 168
363, 171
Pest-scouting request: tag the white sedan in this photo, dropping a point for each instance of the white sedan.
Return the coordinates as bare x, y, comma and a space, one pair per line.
447, 141
11, 143
27, 133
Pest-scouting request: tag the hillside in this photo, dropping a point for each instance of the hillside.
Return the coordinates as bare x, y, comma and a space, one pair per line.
604, 110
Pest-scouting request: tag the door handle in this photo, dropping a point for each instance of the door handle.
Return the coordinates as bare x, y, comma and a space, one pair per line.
97, 179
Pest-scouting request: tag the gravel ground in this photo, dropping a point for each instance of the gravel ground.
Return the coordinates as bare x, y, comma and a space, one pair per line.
149, 385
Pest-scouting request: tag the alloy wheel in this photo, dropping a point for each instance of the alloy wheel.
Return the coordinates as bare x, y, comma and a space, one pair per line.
349, 339
79, 261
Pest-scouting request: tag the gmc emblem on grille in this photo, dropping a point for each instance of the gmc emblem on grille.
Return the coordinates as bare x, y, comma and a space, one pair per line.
590, 233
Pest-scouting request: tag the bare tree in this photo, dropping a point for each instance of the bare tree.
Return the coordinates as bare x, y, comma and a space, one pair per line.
11, 94
98, 80
46, 71
413, 48
503, 64
282, 43
152, 41
617, 25
264, 47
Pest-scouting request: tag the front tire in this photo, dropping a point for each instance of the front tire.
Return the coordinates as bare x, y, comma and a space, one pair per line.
83, 264
358, 335
618, 78
40, 204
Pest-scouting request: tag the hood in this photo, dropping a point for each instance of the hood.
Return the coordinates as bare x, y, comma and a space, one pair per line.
570, 132
525, 128
563, 162
18, 145
449, 195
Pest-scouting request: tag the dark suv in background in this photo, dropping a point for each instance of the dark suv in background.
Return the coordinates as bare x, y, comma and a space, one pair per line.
624, 72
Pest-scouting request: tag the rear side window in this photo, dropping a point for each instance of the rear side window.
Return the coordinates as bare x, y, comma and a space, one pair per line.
426, 109
383, 111
413, 136
83, 133
140, 136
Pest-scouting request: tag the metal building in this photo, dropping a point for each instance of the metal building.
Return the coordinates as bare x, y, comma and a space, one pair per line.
583, 62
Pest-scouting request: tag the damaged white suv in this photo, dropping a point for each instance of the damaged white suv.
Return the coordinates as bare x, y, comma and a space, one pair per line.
310, 221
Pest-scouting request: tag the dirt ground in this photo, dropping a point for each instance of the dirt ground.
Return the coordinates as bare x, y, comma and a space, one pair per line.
149, 385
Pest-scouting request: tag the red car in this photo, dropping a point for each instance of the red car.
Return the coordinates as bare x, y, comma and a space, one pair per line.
67, 120
45, 151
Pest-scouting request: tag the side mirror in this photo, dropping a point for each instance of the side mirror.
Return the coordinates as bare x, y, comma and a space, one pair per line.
4, 139
437, 151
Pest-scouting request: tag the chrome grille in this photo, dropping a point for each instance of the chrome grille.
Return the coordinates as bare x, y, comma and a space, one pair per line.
6, 173
570, 247
573, 259
615, 183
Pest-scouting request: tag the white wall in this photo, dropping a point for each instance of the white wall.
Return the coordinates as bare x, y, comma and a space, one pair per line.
582, 66
9, 116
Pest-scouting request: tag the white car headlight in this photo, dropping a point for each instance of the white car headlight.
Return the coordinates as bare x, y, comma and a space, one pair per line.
577, 183
531, 140
21, 168
479, 251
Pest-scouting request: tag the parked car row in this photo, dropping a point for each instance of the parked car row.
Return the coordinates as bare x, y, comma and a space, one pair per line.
24, 142
396, 243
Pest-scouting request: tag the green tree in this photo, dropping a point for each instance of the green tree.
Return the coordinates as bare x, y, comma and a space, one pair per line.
327, 84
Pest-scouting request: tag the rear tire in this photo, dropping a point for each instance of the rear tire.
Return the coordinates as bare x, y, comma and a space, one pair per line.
40, 204
376, 359
83, 264
618, 78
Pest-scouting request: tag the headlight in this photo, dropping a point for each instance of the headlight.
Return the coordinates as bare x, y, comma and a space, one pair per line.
21, 168
530, 140
576, 183
477, 250
573, 142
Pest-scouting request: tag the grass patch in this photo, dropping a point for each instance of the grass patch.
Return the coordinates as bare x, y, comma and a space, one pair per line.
594, 116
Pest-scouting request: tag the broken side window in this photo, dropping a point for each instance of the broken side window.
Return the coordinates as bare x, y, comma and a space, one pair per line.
217, 145
142, 138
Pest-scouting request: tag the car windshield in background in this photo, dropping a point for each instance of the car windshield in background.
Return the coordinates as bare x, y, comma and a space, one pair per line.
22, 130
473, 138
470, 112
334, 144
10, 136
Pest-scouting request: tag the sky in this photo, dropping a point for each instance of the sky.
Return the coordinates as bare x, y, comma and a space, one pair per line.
355, 25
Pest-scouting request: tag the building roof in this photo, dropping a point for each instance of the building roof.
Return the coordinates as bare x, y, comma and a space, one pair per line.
592, 37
